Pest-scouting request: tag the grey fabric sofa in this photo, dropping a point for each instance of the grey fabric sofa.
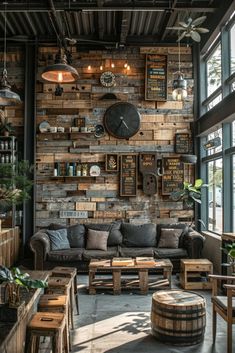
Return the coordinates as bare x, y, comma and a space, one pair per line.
124, 240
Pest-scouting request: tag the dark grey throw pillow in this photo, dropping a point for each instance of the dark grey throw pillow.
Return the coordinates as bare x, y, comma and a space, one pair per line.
97, 240
185, 229
76, 236
143, 235
58, 239
169, 238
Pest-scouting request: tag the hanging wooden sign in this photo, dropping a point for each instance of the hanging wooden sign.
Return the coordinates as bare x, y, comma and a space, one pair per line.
156, 77
128, 174
182, 143
173, 176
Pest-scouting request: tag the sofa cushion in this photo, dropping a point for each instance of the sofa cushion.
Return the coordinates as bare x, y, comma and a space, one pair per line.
143, 235
76, 235
164, 253
100, 254
169, 238
115, 235
97, 240
133, 252
58, 239
182, 226
66, 255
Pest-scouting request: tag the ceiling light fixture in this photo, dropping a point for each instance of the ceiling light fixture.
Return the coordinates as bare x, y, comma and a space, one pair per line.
7, 97
179, 84
60, 71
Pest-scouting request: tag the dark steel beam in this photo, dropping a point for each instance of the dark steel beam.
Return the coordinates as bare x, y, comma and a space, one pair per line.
29, 136
166, 22
222, 112
125, 24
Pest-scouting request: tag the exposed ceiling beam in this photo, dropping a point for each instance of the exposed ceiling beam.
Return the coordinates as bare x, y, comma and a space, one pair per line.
125, 24
101, 19
166, 21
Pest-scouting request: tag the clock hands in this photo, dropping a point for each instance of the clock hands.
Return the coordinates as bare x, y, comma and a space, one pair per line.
122, 122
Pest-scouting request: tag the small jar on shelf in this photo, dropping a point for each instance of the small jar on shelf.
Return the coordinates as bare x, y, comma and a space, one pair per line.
79, 169
84, 170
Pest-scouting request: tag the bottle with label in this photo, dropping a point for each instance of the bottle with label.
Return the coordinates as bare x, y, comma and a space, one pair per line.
67, 169
79, 169
84, 170
71, 169
56, 169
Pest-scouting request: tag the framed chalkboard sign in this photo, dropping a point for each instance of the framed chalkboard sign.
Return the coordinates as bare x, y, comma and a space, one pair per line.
128, 174
182, 143
156, 77
173, 176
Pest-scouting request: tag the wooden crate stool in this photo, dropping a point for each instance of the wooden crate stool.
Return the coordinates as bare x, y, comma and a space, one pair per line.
50, 325
71, 272
55, 303
61, 285
191, 273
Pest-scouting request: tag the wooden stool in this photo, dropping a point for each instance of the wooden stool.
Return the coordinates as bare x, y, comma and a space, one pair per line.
47, 324
61, 285
191, 271
60, 271
55, 303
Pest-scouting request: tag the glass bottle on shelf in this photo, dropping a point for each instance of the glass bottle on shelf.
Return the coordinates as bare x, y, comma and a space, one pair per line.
79, 169
84, 170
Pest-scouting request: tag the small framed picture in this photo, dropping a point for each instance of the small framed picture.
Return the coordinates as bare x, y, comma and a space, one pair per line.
111, 162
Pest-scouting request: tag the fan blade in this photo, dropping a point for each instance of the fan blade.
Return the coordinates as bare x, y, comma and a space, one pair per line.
182, 36
183, 24
198, 21
201, 30
195, 36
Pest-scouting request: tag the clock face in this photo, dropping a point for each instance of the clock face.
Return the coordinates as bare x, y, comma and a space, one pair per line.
107, 79
122, 120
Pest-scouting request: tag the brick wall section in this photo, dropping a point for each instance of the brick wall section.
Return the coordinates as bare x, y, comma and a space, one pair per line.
159, 122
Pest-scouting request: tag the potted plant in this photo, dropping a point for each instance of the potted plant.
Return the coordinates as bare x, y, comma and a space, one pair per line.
14, 280
229, 249
6, 128
189, 194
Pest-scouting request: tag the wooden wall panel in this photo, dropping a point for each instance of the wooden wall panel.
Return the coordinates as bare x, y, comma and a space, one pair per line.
99, 196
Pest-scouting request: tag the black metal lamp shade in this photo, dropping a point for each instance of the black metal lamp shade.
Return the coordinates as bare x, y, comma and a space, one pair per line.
7, 97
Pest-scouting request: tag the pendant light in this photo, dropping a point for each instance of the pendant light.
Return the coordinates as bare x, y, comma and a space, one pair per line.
7, 97
60, 71
179, 84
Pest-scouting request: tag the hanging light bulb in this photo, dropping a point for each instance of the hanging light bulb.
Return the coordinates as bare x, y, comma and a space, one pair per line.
179, 92
112, 65
126, 65
60, 71
89, 67
7, 97
101, 67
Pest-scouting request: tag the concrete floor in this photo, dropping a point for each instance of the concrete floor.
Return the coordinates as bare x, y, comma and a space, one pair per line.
121, 324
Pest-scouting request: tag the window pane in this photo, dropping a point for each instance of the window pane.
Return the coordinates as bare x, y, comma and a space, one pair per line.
214, 71
233, 193
232, 49
214, 102
233, 136
215, 221
212, 136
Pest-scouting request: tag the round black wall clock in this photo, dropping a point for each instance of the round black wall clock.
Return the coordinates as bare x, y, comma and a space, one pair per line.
122, 120
107, 79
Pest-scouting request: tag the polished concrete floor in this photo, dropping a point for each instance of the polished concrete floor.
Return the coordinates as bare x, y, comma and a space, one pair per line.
121, 324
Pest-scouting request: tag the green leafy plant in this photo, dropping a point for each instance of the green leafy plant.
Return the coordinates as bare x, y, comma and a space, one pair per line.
15, 183
15, 279
189, 193
5, 125
229, 249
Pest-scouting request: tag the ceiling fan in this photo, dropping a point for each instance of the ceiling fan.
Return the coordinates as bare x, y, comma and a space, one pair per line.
190, 28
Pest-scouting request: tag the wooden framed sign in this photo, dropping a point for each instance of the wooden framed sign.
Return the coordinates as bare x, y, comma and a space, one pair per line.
182, 143
173, 175
111, 162
148, 163
156, 77
128, 174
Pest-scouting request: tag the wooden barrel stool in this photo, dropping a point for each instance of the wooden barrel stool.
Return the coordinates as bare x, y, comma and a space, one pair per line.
47, 324
61, 285
55, 303
178, 317
71, 272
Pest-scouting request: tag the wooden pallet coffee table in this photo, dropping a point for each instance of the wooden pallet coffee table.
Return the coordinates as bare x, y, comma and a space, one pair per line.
119, 278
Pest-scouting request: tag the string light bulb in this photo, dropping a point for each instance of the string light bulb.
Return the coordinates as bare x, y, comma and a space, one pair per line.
89, 67
112, 65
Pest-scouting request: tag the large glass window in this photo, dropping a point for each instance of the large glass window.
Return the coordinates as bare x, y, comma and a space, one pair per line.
233, 193
214, 102
213, 66
215, 191
233, 133
215, 136
232, 49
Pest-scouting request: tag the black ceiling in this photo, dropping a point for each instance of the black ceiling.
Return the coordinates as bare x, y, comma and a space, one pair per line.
117, 23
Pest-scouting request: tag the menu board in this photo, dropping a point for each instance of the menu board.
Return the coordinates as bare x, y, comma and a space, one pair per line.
182, 143
173, 175
156, 77
128, 174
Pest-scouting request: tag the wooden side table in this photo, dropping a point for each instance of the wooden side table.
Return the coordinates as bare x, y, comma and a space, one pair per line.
194, 273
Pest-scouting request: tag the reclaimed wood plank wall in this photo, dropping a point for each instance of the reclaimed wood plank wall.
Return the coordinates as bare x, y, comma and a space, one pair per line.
99, 197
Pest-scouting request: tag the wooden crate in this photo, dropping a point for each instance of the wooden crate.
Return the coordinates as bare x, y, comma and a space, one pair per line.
194, 273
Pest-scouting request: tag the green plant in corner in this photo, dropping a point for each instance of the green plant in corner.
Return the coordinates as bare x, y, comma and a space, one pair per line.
15, 279
229, 250
6, 127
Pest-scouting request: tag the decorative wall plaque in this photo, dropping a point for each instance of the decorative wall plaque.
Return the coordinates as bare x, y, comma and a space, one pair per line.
173, 176
73, 214
156, 77
182, 143
128, 174
148, 167
111, 162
